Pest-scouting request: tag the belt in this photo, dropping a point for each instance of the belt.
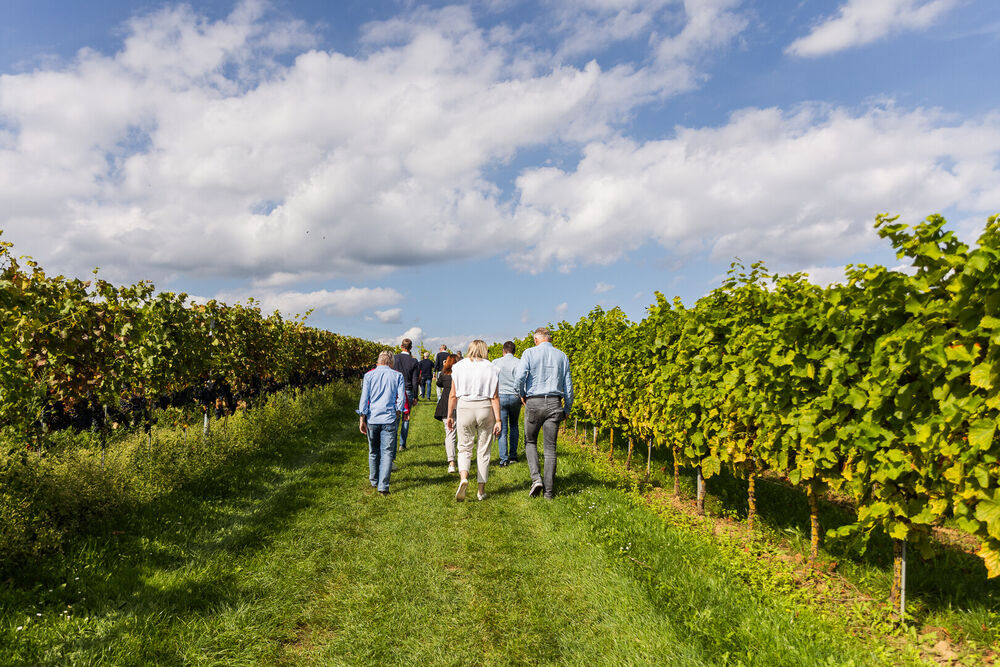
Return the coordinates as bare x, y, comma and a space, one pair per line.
546, 396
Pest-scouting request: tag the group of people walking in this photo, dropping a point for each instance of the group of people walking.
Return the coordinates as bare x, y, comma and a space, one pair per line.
478, 401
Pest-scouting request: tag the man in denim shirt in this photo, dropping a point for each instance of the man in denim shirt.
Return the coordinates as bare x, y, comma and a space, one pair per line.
546, 388
510, 404
382, 397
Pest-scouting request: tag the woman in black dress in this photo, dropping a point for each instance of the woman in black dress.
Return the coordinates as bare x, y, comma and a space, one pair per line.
441, 411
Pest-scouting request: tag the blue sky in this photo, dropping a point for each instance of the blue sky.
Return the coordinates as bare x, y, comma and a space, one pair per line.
450, 171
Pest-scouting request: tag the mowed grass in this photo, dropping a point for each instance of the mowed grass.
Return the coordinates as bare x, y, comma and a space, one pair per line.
292, 559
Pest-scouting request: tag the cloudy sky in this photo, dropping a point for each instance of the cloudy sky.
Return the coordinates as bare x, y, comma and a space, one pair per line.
475, 170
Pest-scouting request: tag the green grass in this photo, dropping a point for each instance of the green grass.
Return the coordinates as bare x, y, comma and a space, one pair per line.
284, 555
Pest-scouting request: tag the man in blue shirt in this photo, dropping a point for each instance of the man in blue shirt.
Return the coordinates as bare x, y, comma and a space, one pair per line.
382, 396
510, 404
546, 388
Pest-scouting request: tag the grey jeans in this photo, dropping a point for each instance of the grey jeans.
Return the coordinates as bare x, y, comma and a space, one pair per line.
542, 414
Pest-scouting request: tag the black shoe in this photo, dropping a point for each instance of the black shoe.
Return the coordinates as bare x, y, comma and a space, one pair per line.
403, 447
384, 493
536, 488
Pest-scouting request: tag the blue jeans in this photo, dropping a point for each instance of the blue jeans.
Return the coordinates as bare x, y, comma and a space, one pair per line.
510, 414
425, 389
381, 452
404, 430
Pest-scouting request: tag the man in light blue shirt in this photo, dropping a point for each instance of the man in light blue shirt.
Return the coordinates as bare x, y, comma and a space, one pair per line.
546, 388
383, 395
510, 404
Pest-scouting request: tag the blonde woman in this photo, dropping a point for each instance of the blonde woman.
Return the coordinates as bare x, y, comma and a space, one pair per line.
475, 400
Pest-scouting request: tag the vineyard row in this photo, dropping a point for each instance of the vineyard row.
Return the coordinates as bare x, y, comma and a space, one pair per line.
885, 388
90, 354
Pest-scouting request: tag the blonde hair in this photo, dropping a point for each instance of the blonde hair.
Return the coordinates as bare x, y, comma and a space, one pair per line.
384, 358
478, 350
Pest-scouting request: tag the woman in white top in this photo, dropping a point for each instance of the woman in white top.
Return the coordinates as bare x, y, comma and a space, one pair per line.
475, 385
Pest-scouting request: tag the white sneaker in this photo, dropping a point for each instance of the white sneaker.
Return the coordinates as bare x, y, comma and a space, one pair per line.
481, 496
451, 467
463, 486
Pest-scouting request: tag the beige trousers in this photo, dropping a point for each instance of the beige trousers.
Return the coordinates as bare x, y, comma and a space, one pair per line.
450, 441
475, 418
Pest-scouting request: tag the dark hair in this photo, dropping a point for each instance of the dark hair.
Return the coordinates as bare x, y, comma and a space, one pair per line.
407, 344
509, 347
448, 363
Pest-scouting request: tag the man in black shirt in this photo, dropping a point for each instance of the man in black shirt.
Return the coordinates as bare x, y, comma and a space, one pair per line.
426, 375
410, 368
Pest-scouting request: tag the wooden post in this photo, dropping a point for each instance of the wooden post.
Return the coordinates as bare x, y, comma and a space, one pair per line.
701, 493
104, 436
897, 594
628, 459
814, 527
611, 450
595, 438
677, 474
649, 456
752, 496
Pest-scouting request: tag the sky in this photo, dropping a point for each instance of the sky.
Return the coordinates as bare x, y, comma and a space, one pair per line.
456, 171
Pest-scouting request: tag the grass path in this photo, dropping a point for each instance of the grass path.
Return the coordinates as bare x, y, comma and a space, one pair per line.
293, 560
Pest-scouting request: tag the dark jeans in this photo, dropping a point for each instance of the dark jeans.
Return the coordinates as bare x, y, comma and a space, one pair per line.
425, 388
510, 415
404, 429
542, 414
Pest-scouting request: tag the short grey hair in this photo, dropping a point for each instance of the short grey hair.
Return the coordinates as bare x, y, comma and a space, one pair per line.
543, 333
385, 358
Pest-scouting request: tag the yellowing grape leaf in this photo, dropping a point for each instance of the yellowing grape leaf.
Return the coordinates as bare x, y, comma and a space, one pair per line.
981, 433
991, 558
988, 511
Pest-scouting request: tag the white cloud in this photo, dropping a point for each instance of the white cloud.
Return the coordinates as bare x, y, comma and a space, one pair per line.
344, 302
562, 308
199, 148
235, 148
637, 295
195, 150
601, 288
391, 316
860, 22
825, 275
799, 187
525, 316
